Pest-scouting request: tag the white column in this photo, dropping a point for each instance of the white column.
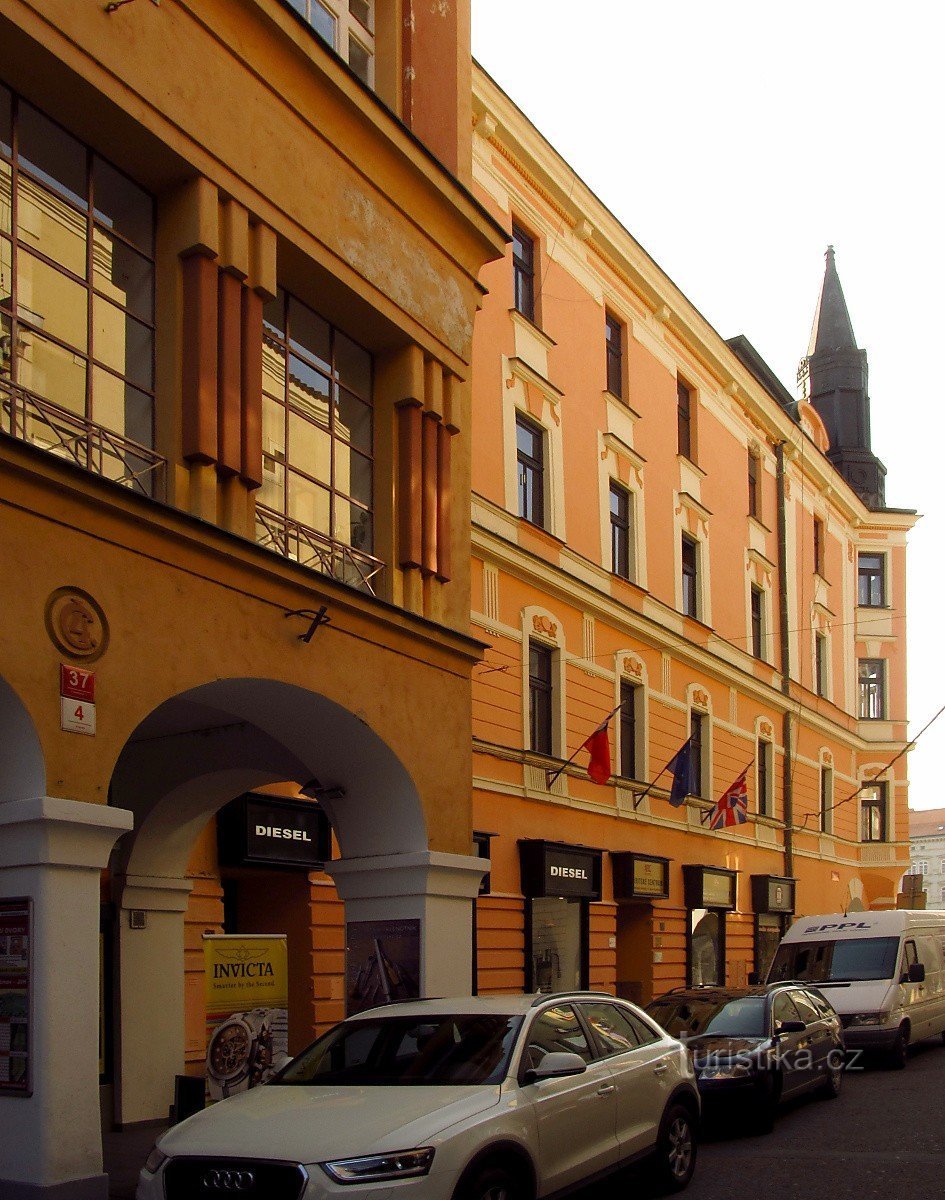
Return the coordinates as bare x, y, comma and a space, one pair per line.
53, 851
150, 1013
434, 888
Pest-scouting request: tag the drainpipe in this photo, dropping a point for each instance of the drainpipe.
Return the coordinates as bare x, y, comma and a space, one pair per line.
787, 720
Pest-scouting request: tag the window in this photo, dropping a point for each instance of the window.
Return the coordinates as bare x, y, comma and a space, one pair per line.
540, 691
873, 813
690, 576
871, 581
612, 1028
318, 438
76, 300
754, 492
820, 664
697, 750
818, 546
523, 271
683, 419
706, 950
942, 896
872, 678
557, 1030
530, 450
557, 930
614, 337
826, 798
348, 27
765, 780
921, 867
621, 531
757, 623
629, 696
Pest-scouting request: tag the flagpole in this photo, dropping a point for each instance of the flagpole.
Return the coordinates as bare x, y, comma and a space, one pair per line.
707, 811
551, 776
638, 798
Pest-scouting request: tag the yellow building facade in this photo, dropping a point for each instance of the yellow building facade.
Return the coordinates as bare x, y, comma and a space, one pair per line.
657, 525
239, 266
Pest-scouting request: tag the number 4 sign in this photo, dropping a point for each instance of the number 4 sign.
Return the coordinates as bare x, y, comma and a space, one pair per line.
77, 700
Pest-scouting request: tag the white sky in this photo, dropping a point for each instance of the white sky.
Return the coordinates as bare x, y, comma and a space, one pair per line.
735, 140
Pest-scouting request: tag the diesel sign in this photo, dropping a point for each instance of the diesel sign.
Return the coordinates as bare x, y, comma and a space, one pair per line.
553, 869
257, 830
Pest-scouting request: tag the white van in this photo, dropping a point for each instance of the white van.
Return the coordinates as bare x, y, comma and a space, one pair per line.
884, 973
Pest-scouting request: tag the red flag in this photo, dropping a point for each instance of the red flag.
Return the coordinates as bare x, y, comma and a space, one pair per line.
598, 746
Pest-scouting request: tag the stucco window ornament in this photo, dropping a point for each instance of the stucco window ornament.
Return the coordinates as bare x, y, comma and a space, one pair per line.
633, 667
76, 624
545, 626
700, 699
827, 758
765, 729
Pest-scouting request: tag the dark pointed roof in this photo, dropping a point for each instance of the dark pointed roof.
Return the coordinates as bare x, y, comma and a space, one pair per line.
832, 329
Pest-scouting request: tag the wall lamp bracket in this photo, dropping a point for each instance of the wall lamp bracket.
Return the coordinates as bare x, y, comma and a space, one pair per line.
315, 619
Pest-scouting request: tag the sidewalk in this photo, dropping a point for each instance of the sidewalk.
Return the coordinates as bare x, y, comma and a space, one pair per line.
124, 1155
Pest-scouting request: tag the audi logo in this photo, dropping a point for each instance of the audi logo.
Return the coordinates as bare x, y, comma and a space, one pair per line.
227, 1181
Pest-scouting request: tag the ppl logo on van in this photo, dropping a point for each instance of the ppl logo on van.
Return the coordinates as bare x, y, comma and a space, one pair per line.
838, 925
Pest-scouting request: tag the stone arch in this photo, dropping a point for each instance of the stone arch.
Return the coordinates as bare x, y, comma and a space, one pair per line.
23, 773
201, 749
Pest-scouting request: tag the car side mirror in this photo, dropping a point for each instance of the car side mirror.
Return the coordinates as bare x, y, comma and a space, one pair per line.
790, 1027
558, 1064
916, 973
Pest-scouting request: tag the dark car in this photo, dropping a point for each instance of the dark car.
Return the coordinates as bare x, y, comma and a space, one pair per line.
756, 1045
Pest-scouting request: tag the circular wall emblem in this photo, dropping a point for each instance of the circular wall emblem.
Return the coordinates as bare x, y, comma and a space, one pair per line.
76, 624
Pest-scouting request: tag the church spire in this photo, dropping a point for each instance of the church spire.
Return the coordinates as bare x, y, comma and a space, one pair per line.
834, 378
832, 329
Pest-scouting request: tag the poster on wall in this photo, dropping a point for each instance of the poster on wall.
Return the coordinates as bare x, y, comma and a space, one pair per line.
382, 963
247, 998
15, 984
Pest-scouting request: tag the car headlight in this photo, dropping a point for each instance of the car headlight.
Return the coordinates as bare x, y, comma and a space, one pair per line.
374, 1168
155, 1160
878, 1018
735, 1070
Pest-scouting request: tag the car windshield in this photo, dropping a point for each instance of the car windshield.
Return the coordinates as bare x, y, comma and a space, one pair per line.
404, 1051
836, 962
687, 1017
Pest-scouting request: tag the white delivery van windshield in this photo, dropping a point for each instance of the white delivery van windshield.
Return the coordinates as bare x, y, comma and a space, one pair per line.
838, 961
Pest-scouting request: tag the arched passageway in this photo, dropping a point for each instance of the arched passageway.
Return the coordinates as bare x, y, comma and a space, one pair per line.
197, 752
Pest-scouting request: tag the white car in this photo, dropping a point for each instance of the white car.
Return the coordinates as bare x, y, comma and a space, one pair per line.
478, 1098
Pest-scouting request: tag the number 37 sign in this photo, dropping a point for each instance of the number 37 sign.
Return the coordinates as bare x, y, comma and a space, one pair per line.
77, 699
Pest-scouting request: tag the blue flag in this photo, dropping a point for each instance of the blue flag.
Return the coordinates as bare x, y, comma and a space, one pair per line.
681, 767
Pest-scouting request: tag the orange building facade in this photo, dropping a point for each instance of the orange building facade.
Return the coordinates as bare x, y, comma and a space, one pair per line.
657, 526
239, 264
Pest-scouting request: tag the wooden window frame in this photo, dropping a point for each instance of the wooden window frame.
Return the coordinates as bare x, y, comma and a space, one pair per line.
523, 273
531, 471
539, 653
614, 336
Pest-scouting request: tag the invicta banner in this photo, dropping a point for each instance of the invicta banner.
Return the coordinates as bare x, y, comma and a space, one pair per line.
247, 998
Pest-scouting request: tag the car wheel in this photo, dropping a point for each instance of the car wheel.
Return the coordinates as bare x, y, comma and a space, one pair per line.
491, 1183
899, 1053
833, 1080
675, 1157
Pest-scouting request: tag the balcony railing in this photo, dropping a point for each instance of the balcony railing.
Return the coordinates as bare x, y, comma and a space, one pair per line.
40, 422
312, 549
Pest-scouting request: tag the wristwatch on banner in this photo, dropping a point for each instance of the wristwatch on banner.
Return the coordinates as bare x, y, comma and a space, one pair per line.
240, 1052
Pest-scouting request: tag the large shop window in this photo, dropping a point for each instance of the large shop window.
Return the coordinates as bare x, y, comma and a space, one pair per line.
76, 301
318, 442
709, 894
558, 881
772, 898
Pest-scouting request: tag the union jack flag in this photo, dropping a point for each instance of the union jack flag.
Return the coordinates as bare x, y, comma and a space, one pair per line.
732, 807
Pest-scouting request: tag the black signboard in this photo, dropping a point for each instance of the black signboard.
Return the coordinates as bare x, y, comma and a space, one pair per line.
709, 887
259, 830
16, 982
557, 869
772, 894
640, 876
